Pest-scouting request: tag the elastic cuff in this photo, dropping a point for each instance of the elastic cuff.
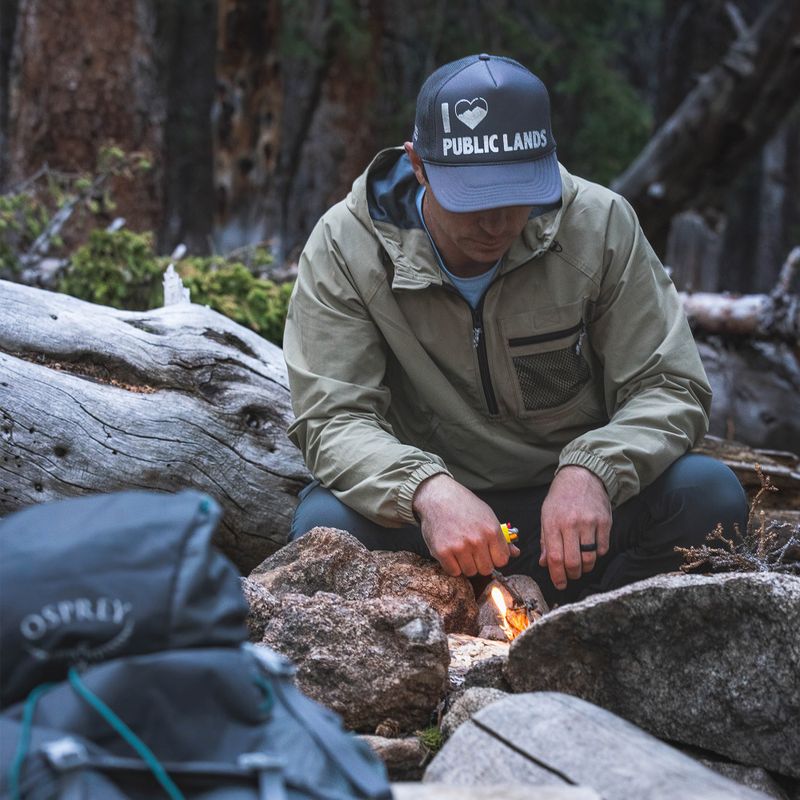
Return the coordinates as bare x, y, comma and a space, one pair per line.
405, 494
595, 464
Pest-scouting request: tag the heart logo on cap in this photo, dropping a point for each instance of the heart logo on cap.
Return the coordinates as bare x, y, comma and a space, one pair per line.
472, 112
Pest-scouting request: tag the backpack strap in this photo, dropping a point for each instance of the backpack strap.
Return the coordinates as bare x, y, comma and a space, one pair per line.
352, 760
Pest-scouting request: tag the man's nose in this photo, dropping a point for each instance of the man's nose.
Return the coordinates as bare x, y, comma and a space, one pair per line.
493, 221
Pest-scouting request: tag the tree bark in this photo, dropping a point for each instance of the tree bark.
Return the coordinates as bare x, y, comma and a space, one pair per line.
97, 400
729, 115
8, 26
82, 77
186, 37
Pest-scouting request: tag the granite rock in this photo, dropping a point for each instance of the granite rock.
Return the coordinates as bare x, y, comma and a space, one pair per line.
709, 661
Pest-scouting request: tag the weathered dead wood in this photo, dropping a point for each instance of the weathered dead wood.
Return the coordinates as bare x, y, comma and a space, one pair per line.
94, 400
758, 316
761, 316
727, 117
783, 468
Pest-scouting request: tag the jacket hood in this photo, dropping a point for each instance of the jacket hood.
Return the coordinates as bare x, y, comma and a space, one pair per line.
383, 198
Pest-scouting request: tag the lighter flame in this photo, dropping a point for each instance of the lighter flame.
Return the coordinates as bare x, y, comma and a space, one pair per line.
502, 611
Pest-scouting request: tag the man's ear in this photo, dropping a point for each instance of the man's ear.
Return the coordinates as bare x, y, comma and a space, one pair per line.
416, 163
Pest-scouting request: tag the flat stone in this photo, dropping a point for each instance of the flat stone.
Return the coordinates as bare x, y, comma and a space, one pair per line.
558, 740
371, 660
404, 758
710, 661
466, 652
506, 791
466, 704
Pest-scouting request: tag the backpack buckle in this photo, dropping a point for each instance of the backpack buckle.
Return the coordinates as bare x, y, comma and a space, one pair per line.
65, 754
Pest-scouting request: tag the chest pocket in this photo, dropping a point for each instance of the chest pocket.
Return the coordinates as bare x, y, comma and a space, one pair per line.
548, 360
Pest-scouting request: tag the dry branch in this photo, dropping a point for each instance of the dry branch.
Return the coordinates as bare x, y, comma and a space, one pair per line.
728, 116
762, 316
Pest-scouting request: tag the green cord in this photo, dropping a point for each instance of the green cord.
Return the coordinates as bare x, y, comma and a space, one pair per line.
25, 738
269, 696
127, 734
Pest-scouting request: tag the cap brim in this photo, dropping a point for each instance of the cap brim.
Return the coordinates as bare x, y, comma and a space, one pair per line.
476, 187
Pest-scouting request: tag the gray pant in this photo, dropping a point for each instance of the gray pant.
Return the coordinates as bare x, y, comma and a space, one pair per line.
678, 509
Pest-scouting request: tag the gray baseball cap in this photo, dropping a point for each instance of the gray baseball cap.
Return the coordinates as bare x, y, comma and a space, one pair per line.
483, 131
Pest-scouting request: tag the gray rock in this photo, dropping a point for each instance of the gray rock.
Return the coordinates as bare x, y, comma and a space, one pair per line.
368, 660
324, 560
490, 673
468, 703
554, 739
404, 758
711, 661
500, 789
263, 606
330, 560
754, 777
410, 575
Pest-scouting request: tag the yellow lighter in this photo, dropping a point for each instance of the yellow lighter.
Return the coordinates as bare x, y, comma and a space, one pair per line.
509, 533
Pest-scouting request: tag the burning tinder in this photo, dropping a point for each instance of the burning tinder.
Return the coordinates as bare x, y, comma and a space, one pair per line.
514, 619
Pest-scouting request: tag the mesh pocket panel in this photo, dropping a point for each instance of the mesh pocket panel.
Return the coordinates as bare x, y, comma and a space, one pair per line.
550, 379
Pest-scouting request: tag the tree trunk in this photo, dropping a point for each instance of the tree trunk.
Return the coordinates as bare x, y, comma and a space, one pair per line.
82, 77
729, 115
135, 73
186, 38
97, 400
8, 26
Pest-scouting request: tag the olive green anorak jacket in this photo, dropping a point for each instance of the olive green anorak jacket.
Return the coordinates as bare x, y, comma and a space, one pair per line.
579, 352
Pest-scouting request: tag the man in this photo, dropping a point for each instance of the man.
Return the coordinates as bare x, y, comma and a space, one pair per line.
478, 336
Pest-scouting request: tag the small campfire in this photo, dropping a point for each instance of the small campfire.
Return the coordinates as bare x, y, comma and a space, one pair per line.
512, 619
508, 606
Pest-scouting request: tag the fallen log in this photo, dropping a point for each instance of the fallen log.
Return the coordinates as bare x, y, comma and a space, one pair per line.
93, 399
759, 316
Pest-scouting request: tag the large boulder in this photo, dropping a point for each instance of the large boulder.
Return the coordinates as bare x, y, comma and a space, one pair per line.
710, 661
370, 660
331, 560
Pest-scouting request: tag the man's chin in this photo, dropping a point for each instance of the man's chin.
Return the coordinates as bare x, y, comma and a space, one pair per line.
487, 252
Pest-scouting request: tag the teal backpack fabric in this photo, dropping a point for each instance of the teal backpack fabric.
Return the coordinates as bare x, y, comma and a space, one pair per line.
126, 673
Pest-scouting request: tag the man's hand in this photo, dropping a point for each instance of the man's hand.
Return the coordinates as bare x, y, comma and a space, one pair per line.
575, 512
461, 531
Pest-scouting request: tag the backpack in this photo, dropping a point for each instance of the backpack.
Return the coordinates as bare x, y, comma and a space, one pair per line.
126, 672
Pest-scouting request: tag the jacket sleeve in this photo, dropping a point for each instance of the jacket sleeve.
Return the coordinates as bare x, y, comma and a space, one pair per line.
336, 359
656, 391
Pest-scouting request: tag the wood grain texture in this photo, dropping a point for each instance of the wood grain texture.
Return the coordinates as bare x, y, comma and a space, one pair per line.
96, 400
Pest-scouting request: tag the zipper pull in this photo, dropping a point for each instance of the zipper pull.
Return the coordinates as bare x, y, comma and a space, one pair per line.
476, 337
579, 343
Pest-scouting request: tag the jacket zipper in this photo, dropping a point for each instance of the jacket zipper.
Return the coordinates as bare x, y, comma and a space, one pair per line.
479, 345
549, 337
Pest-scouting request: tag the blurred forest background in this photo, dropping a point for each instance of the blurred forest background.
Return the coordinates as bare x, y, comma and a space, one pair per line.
130, 127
